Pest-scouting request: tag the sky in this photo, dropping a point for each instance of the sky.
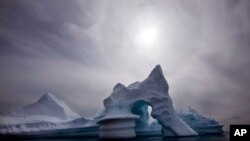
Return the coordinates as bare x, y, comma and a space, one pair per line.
79, 49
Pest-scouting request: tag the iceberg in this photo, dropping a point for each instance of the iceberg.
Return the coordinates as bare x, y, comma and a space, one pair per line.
47, 105
200, 123
46, 113
152, 91
125, 115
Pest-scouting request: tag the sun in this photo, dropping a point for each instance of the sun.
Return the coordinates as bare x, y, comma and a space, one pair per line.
145, 32
146, 36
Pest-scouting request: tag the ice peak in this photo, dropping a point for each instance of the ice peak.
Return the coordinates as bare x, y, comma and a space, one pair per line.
156, 79
49, 105
48, 97
156, 73
119, 87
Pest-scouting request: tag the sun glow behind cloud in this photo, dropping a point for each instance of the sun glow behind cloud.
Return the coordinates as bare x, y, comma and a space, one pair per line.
146, 33
147, 37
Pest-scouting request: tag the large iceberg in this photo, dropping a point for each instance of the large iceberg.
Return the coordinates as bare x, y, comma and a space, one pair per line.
152, 91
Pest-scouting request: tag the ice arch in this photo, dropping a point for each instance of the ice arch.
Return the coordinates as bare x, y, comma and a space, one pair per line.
153, 91
141, 108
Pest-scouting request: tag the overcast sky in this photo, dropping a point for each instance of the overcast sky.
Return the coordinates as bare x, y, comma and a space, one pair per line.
79, 50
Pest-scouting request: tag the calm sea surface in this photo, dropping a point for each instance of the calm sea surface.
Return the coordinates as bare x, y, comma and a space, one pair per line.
200, 138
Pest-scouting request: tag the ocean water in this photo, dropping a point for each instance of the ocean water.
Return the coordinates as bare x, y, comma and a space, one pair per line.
199, 138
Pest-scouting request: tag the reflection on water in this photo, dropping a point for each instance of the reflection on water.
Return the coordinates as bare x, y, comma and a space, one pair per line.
199, 138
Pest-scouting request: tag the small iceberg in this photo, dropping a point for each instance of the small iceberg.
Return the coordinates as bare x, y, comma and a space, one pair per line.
200, 123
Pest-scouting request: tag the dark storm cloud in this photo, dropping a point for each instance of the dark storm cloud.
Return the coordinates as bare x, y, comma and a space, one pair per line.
80, 49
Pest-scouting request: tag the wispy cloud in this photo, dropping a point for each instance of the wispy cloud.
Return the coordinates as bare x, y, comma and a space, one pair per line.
80, 49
